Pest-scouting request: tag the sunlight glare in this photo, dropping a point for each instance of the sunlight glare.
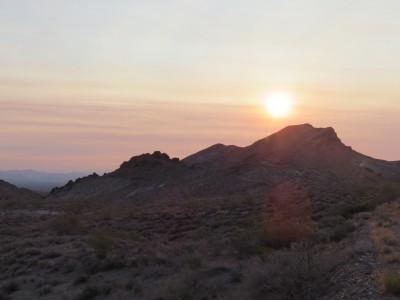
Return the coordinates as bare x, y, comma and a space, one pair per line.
279, 103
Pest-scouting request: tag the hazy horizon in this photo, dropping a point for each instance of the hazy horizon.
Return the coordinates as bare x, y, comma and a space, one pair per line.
87, 85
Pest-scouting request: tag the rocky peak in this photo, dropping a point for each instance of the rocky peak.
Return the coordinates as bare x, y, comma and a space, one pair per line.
148, 159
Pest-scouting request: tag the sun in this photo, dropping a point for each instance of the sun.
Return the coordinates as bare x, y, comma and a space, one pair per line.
279, 103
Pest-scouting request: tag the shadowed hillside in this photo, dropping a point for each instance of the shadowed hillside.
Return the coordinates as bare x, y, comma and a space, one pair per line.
314, 157
297, 215
11, 192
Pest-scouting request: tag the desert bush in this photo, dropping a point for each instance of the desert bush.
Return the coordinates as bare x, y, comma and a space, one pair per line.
285, 232
393, 257
101, 242
50, 255
250, 242
89, 292
32, 252
94, 264
79, 206
10, 287
45, 290
81, 279
66, 225
295, 274
194, 262
360, 247
176, 291
383, 237
236, 275
390, 191
212, 289
331, 221
345, 210
113, 263
341, 231
333, 229
391, 282
290, 220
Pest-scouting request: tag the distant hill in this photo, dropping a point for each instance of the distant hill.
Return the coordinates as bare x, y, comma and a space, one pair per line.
312, 157
11, 192
38, 181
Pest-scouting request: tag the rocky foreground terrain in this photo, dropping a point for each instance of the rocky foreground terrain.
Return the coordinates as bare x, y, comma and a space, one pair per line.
297, 215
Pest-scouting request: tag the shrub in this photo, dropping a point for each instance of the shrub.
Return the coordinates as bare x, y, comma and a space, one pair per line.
81, 279
94, 265
89, 292
391, 282
295, 274
195, 262
176, 291
285, 232
66, 225
251, 242
341, 231
45, 290
101, 243
290, 220
10, 287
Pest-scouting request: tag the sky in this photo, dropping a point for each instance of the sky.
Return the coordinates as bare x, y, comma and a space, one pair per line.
85, 85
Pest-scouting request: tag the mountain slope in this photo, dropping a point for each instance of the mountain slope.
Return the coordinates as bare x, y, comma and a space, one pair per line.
11, 192
297, 146
313, 157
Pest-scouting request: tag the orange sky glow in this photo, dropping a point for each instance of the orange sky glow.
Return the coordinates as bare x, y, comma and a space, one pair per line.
86, 85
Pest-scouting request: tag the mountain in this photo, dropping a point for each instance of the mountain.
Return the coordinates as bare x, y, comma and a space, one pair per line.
38, 181
297, 146
11, 192
312, 157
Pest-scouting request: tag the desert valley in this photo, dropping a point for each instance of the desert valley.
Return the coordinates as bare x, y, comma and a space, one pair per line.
295, 215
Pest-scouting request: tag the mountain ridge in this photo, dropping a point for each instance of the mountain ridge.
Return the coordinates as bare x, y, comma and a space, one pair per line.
313, 156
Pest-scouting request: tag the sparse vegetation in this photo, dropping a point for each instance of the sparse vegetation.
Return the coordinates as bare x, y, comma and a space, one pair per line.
66, 225
101, 242
89, 292
203, 249
299, 274
10, 287
391, 282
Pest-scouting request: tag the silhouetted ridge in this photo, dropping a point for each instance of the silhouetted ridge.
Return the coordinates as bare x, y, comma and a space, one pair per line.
147, 159
297, 144
314, 156
216, 154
